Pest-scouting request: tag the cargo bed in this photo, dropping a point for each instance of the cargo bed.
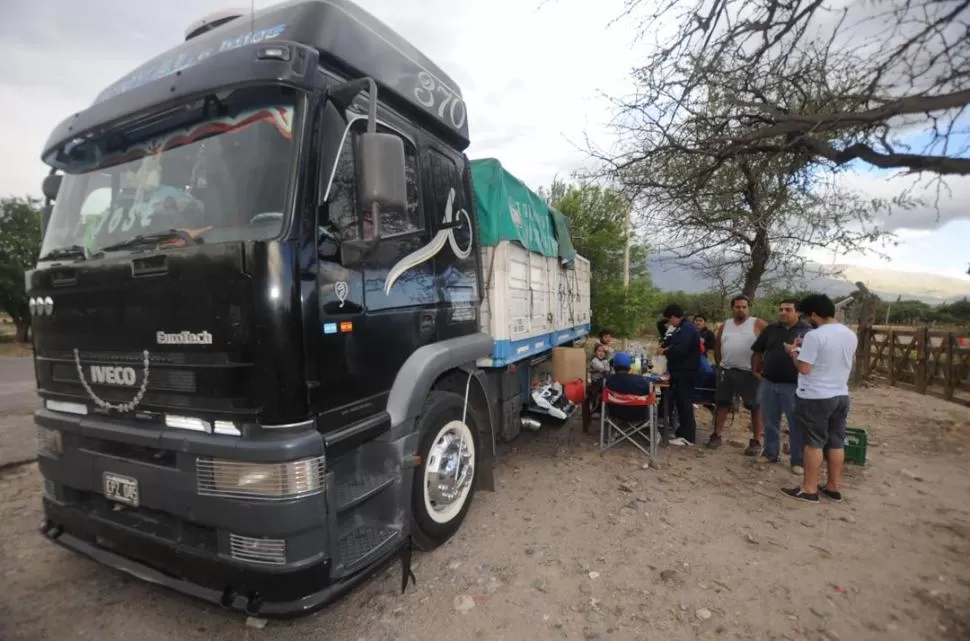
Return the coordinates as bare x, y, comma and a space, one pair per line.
532, 303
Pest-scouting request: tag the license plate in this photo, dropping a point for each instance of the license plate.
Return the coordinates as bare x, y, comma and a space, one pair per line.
122, 489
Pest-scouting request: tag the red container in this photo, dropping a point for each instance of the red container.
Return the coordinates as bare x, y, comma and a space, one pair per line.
575, 391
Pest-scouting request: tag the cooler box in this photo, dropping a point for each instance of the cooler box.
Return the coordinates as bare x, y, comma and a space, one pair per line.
856, 442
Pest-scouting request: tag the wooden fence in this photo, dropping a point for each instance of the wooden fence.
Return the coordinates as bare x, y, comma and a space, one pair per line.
919, 359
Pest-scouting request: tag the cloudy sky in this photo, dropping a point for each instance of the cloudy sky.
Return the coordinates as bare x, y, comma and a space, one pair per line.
534, 81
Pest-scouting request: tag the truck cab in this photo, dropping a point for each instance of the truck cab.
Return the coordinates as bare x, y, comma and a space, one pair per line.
257, 313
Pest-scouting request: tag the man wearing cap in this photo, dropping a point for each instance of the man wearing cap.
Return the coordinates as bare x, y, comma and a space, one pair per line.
622, 381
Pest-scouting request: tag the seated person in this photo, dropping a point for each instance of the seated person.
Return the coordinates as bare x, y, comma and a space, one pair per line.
705, 382
623, 382
599, 365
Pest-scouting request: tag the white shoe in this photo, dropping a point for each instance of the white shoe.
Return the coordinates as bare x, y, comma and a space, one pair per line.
680, 441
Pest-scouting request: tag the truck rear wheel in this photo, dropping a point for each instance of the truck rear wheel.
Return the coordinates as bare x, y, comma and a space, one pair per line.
444, 481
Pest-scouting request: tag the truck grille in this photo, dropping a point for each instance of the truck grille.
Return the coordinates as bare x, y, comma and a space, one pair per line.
168, 380
253, 550
176, 381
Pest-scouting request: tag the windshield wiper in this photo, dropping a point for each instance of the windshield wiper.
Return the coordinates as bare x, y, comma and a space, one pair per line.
153, 239
71, 251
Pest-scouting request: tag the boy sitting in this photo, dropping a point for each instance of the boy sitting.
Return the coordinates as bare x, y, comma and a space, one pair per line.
599, 365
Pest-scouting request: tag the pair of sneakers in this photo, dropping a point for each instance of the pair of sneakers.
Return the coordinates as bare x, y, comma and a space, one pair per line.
796, 493
753, 449
797, 470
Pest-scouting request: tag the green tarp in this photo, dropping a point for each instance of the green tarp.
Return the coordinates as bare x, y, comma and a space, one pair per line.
508, 210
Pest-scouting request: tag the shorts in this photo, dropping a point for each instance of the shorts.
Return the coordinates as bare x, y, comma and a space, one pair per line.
822, 421
736, 382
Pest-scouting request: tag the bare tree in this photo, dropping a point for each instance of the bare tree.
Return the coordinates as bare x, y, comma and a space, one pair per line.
824, 80
746, 226
745, 219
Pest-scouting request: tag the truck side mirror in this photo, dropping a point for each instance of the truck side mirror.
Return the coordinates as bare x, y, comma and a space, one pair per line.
381, 182
51, 185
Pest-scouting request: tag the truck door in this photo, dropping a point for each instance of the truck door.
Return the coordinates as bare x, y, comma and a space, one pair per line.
377, 305
447, 193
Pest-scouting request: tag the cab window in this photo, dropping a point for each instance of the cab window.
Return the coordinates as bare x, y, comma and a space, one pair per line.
347, 219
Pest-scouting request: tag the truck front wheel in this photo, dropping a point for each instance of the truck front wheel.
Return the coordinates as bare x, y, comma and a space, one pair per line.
444, 480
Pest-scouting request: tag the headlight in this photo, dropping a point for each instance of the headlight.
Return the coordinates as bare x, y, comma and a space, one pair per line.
267, 481
226, 428
48, 442
65, 406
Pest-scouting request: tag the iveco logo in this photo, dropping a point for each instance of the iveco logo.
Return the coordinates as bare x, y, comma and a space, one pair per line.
113, 375
41, 306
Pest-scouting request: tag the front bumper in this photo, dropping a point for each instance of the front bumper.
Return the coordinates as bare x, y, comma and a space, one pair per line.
179, 538
205, 577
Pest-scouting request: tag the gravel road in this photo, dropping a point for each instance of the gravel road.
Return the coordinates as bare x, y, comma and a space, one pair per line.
18, 399
575, 545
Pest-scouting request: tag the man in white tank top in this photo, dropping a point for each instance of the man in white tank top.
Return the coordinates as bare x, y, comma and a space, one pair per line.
732, 353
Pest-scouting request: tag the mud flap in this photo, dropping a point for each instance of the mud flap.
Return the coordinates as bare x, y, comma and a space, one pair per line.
486, 467
406, 572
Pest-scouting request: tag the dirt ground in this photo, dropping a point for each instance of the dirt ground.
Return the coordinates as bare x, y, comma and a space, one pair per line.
575, 545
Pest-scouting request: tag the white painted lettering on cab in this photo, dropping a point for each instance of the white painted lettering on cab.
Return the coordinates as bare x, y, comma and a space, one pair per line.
184, 338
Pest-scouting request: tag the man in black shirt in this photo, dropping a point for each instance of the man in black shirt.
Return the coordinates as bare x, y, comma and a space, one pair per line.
683, 352
774, 366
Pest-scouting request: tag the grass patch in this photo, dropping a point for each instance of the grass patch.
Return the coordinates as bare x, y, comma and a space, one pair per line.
8, 341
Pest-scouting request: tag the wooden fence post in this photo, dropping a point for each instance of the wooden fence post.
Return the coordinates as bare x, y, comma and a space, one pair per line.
865, 333
950, 347
861, 354
922, 358
892, 356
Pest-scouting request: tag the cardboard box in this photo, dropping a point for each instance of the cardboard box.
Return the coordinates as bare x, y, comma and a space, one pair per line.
568, 364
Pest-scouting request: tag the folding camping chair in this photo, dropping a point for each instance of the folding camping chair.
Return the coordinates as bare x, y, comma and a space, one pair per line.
625, 417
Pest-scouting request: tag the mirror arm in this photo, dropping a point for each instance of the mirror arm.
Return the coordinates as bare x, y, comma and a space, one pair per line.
372, 106
372, 129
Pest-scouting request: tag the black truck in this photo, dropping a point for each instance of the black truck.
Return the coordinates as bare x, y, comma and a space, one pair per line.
256, 314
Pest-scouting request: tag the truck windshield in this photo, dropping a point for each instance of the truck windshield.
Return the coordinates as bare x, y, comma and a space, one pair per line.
216, 170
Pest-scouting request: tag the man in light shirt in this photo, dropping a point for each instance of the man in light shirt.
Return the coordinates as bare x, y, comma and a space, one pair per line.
824, 362
732, 353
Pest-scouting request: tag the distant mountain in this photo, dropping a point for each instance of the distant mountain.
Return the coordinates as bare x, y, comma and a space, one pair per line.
887, 283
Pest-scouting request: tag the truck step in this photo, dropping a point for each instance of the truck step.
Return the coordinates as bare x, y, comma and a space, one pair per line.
355, 491
362, 544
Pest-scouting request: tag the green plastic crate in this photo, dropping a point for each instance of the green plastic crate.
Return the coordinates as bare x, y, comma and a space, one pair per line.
856, 442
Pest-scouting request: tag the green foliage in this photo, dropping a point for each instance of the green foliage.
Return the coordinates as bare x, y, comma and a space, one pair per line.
19, 246
598, 226
626, 312
916, 312
710, 305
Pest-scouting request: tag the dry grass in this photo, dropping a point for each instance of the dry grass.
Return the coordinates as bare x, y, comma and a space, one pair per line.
8, 343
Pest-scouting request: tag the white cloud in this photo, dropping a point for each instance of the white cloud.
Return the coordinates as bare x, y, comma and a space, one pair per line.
531, 77
942, 201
